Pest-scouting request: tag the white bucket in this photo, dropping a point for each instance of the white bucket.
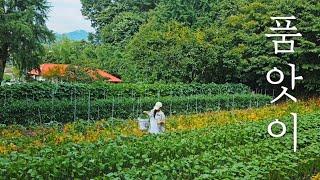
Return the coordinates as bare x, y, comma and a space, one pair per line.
143, 124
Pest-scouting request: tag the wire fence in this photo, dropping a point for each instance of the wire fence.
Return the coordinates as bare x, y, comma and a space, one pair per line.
94, 112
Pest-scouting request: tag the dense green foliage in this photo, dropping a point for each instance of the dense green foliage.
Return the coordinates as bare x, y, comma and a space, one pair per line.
85, 54
229, 152
22, 31
116, 21
67, 51
28, 112
203, 41
36, 91
154, 45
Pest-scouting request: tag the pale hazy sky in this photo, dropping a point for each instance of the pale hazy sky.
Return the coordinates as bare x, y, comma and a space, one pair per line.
65, 16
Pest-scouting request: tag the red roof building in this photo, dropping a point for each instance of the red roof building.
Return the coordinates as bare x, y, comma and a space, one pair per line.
61, 69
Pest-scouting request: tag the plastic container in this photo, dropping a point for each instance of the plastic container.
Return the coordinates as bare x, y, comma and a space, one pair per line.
143, 124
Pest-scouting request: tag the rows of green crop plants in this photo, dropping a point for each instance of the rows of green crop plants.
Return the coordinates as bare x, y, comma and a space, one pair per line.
234, 151
25, 112
37, 91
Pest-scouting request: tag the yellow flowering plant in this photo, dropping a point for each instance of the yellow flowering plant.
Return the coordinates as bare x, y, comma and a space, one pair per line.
18, 138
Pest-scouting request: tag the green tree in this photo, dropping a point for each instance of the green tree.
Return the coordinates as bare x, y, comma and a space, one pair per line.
117, 17
22, 32
84, 54
204, 40
64, 51
235, 46
122, 28
172, 52
67, 51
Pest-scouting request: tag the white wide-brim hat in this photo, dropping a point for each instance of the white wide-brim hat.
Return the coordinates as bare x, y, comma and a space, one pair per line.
157, 106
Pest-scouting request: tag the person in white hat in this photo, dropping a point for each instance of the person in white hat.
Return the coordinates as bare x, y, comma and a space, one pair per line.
157, 119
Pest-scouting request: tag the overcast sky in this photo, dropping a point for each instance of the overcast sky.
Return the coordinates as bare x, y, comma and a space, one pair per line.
65, 16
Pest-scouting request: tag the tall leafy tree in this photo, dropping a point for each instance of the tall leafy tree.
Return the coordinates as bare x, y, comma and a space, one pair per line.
22, 32
205, 40
233, 45
116, 21
122, 28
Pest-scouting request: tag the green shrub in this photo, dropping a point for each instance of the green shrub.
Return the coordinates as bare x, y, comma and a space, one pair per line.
38, 91
24, 111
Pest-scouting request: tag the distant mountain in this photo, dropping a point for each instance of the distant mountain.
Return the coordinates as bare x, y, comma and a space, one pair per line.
78, 35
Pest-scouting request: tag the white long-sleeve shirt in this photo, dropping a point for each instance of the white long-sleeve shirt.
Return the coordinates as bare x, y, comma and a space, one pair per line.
155, 127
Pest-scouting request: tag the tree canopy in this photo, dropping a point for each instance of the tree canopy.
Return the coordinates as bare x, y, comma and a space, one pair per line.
206, 40
22, 32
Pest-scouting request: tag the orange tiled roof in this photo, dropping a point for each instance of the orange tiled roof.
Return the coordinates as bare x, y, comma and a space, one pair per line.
61, 69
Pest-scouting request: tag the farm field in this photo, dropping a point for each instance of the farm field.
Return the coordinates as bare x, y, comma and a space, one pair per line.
211, 145
160, 90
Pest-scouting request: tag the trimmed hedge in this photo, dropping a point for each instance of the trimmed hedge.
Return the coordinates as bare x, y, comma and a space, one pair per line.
38, 90
25, 112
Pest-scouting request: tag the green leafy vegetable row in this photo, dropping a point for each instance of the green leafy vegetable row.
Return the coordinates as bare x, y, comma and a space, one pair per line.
36, 91
234, 151
26, 112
